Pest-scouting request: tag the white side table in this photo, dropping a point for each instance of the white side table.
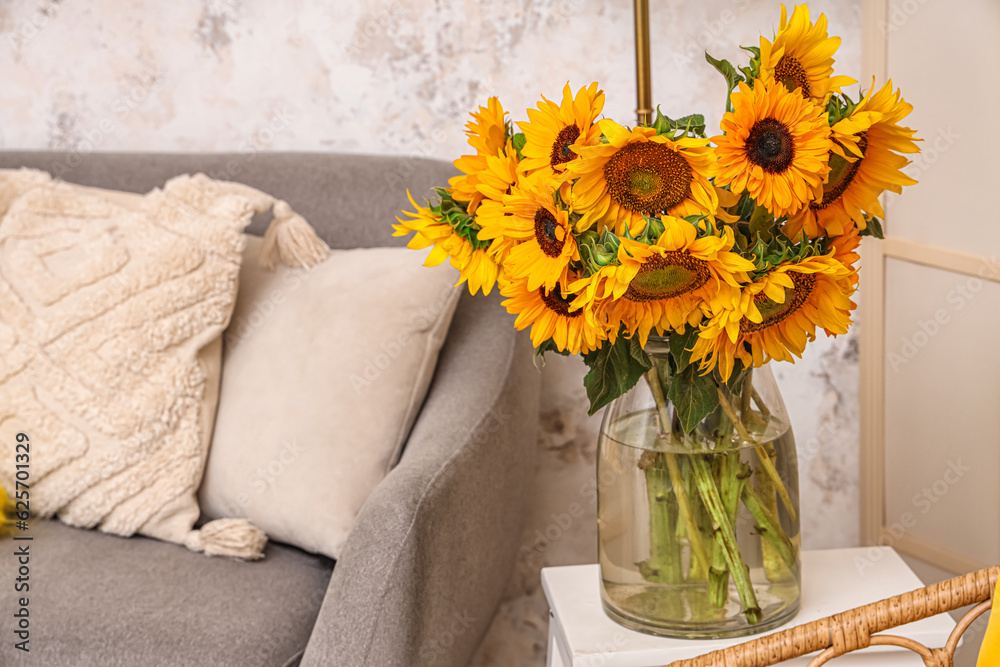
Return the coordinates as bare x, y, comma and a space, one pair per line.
581, 634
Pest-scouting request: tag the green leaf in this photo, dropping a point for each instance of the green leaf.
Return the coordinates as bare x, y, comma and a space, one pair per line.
694, 396
639, 354
614, 369
519, 140
735, 381
680, 347
538, 356
873, 228
733, 76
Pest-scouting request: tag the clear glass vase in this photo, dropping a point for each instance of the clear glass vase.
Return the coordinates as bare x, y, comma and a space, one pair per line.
698, 533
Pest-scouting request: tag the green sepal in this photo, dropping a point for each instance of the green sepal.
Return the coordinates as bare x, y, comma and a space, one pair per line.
762, 223
744, 207
695, 396
654, 228
597, 250
780, 249
839, 107
614, 369
693, 124
456, 214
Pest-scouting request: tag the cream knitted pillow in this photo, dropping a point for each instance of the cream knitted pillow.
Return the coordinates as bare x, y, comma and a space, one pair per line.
111, 311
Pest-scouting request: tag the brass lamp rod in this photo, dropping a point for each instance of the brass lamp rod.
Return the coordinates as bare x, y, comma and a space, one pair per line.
643, 87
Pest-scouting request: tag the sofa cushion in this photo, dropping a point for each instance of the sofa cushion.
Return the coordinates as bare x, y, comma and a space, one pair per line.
96, 599
324, 373
111, 309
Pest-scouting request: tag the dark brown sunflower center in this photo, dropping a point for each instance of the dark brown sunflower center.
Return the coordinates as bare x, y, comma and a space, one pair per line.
550, 235
561, 151
647, 177
669, 276
842, 173
772, 312
555, 302
791, 73
770, 145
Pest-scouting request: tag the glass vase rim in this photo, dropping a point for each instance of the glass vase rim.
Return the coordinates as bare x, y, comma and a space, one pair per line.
782, 427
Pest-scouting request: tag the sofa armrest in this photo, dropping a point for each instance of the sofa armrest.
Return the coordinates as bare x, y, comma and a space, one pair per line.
431, 551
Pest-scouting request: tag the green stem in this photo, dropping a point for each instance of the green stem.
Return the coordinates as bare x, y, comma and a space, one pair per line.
664, 564
730, 411
687, 516
765, 460
732, 485
653, 380
764, 412
725, 536
767, 494
745, 395
680, 490
769, 528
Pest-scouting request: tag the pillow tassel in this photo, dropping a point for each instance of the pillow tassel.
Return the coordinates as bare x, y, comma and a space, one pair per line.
236, 538
291, 240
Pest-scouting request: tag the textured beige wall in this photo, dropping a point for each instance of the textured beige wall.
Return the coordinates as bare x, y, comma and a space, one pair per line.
399, 76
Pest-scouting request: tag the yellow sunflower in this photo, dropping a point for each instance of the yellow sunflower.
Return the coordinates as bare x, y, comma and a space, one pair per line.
866, 161
553, 130
496, 181
487, 133
663, 286
801, 56
549, 315
475, 266
641, 173
845, 250
541, 231
777, 314
775, 145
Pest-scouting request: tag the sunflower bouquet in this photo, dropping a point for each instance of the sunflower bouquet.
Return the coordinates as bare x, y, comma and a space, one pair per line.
731, 250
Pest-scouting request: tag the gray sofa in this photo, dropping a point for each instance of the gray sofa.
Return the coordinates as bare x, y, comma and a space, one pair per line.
430, 554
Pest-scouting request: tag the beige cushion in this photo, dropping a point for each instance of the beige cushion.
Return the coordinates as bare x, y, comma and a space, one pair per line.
324, 372
111, 311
